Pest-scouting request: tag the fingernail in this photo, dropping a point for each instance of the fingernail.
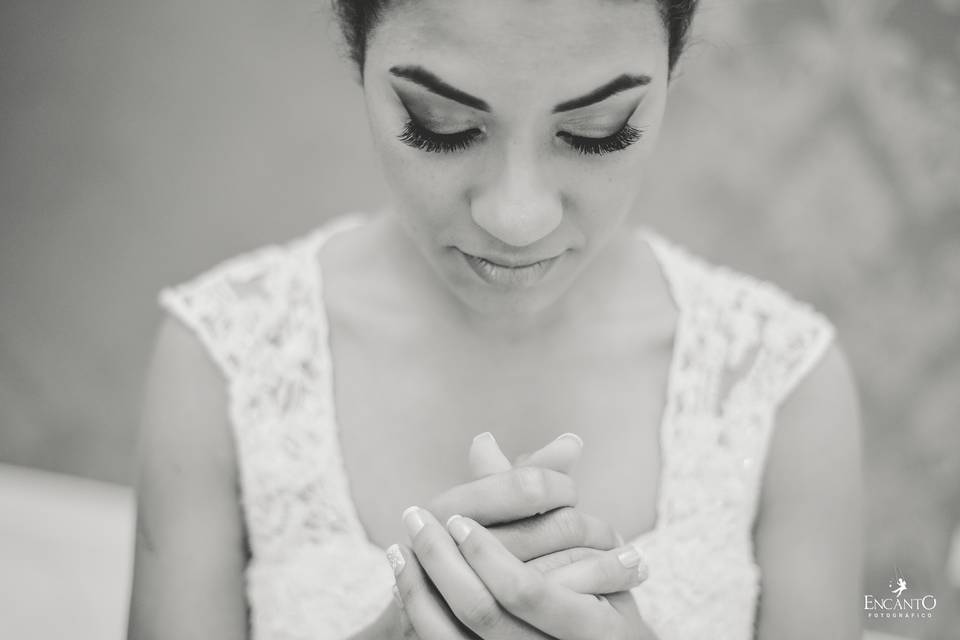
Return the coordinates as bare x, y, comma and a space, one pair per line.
413, 521
629, 557
395, 558
574, 437
396, 596
486, 435
458, 528
643, 571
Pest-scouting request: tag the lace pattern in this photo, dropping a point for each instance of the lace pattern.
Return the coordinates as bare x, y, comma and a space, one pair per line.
259, 316
748, 336
741, 346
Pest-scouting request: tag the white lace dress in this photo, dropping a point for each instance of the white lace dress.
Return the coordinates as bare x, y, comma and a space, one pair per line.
741, 345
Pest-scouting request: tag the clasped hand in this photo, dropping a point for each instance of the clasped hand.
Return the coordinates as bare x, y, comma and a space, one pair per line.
514, 559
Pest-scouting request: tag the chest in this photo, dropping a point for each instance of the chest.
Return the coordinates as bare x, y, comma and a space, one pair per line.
408, 409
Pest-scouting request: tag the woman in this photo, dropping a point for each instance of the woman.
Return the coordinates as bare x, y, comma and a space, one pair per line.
501, 292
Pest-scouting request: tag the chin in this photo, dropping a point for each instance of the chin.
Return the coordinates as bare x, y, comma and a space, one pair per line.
491, 289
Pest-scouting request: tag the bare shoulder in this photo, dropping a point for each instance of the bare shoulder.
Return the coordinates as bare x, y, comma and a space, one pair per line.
817, 436
829, 388
809, 540
185, 406
190, 550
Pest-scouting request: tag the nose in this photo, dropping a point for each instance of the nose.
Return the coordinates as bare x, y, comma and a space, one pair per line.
519, 207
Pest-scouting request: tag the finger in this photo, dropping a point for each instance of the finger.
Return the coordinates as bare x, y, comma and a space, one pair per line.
461, 589
554, 531
504, 497
425, 616
615, 570
402, 625
486, 458
560, 455
626, 605
527, 593
551, 561
405, 628
388, 624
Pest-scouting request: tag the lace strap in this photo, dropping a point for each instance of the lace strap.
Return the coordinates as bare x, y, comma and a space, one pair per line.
314, 240
738, 315
807, 343
220, 305
261, 317
789, 334
331, 470
229, 306
683, 269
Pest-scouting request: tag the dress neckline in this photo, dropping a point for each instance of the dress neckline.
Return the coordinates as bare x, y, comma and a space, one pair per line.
659, 247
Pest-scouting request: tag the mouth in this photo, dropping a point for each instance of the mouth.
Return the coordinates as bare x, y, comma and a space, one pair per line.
508, 274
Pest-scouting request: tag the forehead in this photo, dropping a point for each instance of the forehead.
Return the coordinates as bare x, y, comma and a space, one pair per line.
515, 46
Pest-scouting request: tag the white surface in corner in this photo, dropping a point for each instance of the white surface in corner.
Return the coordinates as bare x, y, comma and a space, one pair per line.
66, 547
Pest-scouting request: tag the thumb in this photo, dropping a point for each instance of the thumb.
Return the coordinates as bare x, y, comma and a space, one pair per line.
560, 455
485, 457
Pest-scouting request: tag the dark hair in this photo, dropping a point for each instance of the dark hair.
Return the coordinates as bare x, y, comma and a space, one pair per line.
359, 17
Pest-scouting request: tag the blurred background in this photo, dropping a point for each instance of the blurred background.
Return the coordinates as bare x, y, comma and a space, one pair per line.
814, 144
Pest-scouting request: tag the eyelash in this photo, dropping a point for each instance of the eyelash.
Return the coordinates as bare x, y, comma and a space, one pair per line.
420, 137
619, 141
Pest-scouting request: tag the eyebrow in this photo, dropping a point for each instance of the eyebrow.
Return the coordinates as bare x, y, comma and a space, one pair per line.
619, 84
432, 83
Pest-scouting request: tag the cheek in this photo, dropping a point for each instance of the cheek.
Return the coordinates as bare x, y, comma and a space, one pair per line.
428, 191
605, 189
429, 188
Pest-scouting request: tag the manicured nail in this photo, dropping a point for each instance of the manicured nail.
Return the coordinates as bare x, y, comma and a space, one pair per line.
396, 596
395, 558
643, 571
629, 557
458, 528
413, 521
486, 435
574, 437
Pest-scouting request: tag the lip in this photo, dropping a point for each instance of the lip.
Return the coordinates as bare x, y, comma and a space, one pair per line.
509, 274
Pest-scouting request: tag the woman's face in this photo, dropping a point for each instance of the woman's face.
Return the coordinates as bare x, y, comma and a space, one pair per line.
514, 135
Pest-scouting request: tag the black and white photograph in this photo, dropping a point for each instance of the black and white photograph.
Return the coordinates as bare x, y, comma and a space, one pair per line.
480, 320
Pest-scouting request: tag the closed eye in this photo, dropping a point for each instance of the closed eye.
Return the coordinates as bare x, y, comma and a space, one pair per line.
420, 137
626, 136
